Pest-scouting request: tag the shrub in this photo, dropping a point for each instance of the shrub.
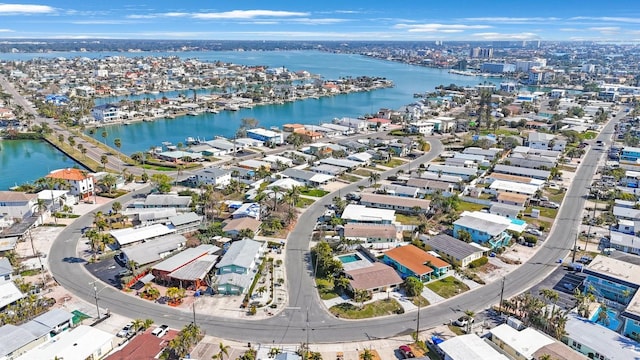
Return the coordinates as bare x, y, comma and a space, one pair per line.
478, 262
530, 239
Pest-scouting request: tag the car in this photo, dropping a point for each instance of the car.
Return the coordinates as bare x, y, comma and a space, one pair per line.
568, 286
406, 351
124, 272
160, 331
463, 321
127, 330
121, 258
535, 232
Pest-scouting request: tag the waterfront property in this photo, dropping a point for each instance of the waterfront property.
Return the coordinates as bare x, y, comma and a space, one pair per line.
452, 250
17, 205
410, 260
80, 183
266, 136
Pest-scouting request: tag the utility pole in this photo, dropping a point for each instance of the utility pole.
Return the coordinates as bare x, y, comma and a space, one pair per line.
193, 306
418, 324
95, 295
575, 248
306, 345
501, 297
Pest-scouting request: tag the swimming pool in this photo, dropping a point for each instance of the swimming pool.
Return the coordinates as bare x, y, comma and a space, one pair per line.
614, 321
345, 259
518, 221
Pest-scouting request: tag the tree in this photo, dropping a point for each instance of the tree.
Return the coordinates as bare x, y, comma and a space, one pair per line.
104, 135
464, 236
104, 160
413, 286
470, 316
223, 350
374, 177
366, 354
246, 233
603, 315
361, 295
109, 181
162, 182
341, 284
175, 294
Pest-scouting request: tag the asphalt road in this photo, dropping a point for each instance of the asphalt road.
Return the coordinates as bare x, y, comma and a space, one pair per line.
305, 311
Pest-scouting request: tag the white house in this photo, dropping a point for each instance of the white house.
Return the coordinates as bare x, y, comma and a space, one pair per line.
106, 113
81, 184
17, 205
214, 176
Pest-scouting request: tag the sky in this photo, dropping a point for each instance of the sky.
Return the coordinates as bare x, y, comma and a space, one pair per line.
466, 20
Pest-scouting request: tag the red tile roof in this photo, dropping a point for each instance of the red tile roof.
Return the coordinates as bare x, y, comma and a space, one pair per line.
70, 174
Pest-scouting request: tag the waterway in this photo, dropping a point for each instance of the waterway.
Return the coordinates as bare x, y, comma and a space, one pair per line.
408, 79
24, 161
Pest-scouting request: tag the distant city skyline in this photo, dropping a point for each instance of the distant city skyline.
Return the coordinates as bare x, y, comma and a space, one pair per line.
495, 20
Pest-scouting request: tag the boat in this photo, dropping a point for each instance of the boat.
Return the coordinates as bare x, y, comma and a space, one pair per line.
213, 111
246, 106
147, 119
232, 107
193, 113
166, 143
170, 116
192, 141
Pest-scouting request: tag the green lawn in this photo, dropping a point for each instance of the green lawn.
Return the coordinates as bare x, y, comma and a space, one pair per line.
362, 172
325, 289
394, 162
349, 178
544, 212
374, 309
589, 135
158, 168
456, 330
468, 206
408, 219
314, 192
448, 287
304, 202
556, 195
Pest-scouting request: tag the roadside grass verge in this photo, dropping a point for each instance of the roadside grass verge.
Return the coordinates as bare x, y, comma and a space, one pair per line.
370, 310
448, 287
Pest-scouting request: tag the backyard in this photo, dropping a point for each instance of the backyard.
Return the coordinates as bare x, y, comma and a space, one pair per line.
448, 287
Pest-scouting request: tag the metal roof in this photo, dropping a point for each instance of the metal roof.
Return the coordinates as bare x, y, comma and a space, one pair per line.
150, 251
54, 317
482, 225
241, 253
186, 218
173, 263
195, 270
450, 246
131, 235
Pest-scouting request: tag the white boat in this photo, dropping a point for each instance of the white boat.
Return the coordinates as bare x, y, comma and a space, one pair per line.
213, 111
193, 113
232, 107
192, 141
166, 143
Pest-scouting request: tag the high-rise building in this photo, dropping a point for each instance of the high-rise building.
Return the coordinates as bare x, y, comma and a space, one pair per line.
481, 53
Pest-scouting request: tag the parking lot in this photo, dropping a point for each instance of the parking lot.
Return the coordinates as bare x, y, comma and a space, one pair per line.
107, 270
564, 282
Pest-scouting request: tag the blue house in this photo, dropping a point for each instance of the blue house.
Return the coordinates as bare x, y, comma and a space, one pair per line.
410, 260
630, 154
482, 231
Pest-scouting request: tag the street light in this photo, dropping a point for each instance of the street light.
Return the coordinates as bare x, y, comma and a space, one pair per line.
95, 296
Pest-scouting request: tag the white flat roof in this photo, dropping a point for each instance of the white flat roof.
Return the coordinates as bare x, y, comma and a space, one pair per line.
131, 235
525, 342
362, 213
77, 344
9, 293
469, 347
600, 339
615, 268
496, 219
514, 187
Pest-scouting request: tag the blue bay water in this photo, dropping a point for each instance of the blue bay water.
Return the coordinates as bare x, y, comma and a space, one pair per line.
408, 79
27, 160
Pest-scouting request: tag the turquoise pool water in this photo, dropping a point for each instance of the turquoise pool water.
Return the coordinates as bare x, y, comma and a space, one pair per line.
345, 259
614, 321
518, 221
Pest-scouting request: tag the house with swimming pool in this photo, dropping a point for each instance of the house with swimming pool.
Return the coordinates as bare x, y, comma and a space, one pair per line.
410, 260
483, 231
616, 282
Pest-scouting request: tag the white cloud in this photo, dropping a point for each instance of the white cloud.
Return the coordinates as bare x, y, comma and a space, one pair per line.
5, 30
141, 16
606, 30
324, 21
247, 14
608, 18
501, 36
25, 9
438, 27
103, 22
570, 29
513, 20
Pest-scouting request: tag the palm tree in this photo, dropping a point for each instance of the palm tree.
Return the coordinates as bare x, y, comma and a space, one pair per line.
223, 351
366, 355
470, 316
104, 160
553, 296
603, 315
374, 177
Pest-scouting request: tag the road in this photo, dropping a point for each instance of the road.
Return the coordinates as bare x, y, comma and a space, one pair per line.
305, 310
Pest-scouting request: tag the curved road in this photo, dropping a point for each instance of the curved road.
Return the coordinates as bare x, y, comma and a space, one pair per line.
305, 310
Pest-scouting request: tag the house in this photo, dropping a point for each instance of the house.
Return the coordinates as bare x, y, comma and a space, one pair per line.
237, 267
233, 227
128, 236
452, 250
143, 346
83, 342
513, 178
158, 201
399, 190
106, 113
378, 124
501, 186
400, 204
308, 178
17, 340
149, 252
482, 231
628, 243
18, 205
543, 141
531, 161
519, 344
626, 213
253, 164
278, 162
370, 233
190, 266
329, 170
361, 214
354, 125
266, 136
80, 183
186, 222
557, 350
508, 198
251, 210
343, 163
375, 278
6, 270
469, 347
362, 157
180, 156
213, 176
151, 216
10, 294
506, 210
489, 154
410, 260
424, 127
426, 186
630, 154
597, 341
462, 172
521, 171
399, 149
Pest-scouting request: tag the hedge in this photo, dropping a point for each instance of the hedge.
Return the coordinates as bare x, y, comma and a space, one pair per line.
478, 262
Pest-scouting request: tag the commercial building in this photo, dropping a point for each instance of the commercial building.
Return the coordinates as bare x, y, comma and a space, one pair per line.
629, 153
497, 68
596, 341
128, 236
266, 136
189, 267
151, 251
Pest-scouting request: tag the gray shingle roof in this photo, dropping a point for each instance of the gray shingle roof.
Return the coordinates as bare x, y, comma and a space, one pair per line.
186, 218
488, 227
12, 338
450, 245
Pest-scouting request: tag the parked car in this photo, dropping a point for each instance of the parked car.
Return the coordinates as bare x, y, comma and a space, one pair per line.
463, 321
568, 286
550, 204
127, 330
406, 351
121, 258
160, 331
535, 232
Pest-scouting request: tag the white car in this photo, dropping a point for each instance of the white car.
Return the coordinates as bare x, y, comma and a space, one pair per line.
127, 330
160, 331
535, 232
463, 321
